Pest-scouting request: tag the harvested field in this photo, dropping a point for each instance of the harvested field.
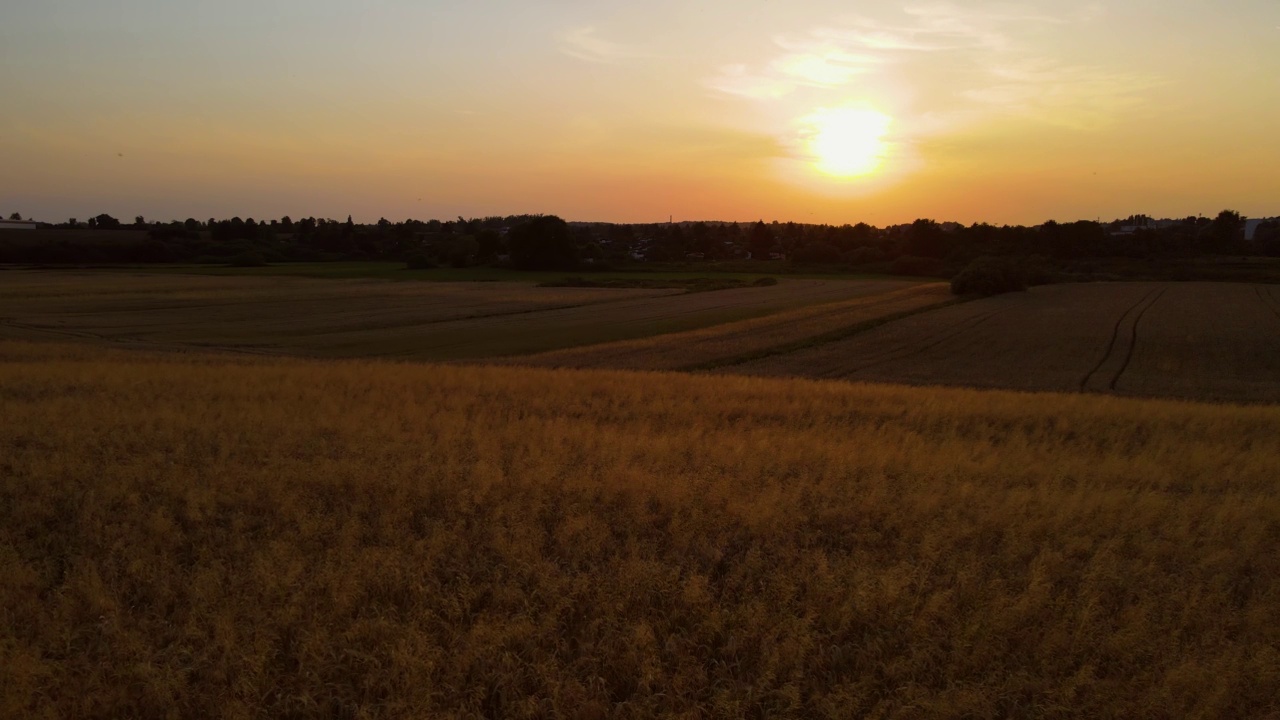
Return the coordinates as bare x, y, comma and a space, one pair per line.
240, 536
353, 318
730, 341
1214, 341
1208, 341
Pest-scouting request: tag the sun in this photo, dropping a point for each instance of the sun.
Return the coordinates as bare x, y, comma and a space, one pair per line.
848, 142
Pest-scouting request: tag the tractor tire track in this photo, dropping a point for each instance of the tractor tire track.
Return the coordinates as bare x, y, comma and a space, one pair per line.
1133, 341
903, 353
1268, 299
1111, 346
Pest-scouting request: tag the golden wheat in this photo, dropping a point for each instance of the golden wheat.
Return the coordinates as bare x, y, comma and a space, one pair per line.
191, 537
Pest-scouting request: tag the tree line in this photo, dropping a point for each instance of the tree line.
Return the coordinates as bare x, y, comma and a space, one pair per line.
544, 242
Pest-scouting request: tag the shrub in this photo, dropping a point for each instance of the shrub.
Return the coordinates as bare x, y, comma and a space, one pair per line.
818, 253
248, 258
917, 266
989, 276
864, 255
1038, 270
419, 261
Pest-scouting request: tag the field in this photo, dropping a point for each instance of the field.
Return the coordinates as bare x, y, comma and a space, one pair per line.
186, 535
727, 343
362, 318
1214, 341
1194, 340
742, 270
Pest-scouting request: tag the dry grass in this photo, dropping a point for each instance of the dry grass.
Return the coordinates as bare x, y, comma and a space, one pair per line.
1209, 341
362, 318
193, 537
727, 342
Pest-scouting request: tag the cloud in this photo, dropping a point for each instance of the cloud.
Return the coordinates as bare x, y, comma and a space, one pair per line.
807, 62
583, 43
738, 80
1073, 96
981, 51
834, 56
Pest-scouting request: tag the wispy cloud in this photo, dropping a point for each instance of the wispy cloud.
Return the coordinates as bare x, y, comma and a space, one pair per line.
584, 43
981, 49
805, 62
1073, 96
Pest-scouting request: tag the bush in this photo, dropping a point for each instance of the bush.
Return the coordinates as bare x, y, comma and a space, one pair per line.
419, 261
249, 258
1038, 270
917, 266
818, 253
864, 255
989, 276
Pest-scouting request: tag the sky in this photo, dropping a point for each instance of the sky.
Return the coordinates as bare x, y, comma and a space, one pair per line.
809, 110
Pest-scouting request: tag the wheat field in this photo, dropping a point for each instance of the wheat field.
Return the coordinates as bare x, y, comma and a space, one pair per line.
727, 343
368, 318
201, 536
1194, 340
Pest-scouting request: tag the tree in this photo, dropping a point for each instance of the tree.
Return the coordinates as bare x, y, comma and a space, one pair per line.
989, 276
543, 243
818, 253
761, 241
105, 222
15, 216
925, 239
139, 221
1224, 234
488, 245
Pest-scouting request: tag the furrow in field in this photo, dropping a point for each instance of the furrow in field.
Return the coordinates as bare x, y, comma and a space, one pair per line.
729, 342
1267, 297
1115, 359
351, 318
554, 330
1215, 341
1044, 339
1133, 340
903, 353
1111, 346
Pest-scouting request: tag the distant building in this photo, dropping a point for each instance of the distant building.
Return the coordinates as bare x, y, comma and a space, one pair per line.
18, 225
1251, 227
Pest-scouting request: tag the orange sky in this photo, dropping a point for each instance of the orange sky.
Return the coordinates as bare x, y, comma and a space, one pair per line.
1004, 112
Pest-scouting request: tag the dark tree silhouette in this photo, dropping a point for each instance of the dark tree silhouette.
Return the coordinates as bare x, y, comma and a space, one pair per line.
1224, 234
926, 239
761, 241
106, 222
543, 243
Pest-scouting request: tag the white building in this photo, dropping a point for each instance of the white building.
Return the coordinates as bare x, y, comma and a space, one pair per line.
18, 225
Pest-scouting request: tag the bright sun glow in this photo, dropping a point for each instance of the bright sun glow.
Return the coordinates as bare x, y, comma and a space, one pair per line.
848, 142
